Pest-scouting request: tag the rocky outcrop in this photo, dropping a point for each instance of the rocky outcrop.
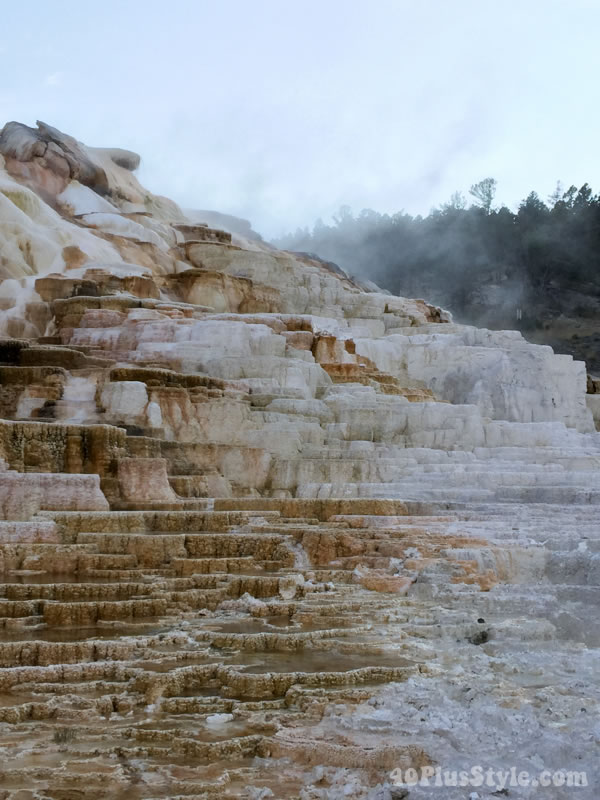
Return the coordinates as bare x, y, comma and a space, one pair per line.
593, 399
254, 514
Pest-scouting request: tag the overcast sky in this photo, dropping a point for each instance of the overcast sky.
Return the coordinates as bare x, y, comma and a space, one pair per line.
282, 110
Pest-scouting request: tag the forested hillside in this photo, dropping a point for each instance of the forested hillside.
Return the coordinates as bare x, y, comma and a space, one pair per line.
536, 269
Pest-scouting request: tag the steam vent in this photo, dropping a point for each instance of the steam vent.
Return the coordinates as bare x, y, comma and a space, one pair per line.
267, 532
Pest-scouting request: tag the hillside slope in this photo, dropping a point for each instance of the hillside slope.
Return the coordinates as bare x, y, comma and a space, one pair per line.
264, 532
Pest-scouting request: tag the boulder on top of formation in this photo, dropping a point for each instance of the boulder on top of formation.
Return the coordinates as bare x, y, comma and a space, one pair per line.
48, 149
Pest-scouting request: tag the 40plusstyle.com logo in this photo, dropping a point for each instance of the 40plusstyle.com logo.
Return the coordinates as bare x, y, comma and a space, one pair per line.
490, 777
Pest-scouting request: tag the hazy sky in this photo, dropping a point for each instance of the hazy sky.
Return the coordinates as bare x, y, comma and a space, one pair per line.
282, 110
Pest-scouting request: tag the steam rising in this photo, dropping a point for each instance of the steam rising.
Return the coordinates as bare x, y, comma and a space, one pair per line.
489, 266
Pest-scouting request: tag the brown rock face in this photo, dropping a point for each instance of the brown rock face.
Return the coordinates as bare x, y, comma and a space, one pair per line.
48, 175
144, 480
226, 293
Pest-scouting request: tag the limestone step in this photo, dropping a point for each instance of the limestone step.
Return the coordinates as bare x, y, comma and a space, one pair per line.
71, 523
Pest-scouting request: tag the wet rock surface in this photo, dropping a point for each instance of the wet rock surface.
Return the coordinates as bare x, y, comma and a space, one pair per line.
265, 533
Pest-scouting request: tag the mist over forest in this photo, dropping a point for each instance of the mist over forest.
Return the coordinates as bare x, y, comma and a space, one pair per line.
536, 269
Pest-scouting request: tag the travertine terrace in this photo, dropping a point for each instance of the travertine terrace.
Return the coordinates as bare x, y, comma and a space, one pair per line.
267, 532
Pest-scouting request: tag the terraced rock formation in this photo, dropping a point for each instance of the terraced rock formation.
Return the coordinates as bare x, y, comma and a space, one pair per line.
266, 533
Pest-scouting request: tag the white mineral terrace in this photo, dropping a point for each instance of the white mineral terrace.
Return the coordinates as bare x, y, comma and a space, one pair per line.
266, 533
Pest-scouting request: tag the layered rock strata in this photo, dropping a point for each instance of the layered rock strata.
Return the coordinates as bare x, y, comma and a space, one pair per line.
266, 533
